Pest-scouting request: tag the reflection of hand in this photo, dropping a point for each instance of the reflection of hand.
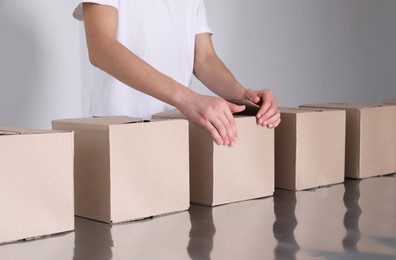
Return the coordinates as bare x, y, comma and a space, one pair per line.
268, 114
215, 115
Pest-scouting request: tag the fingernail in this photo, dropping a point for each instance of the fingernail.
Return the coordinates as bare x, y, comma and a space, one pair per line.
260, 121
265, 123
258, 115
270, 125
232, 144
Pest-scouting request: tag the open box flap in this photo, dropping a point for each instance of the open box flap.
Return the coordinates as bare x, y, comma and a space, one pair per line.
251, 108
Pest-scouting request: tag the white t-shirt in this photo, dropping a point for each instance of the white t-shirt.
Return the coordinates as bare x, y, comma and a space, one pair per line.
162, 33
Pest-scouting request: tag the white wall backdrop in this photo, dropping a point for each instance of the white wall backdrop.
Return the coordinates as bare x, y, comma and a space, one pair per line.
309, 50
39, 62
306, 50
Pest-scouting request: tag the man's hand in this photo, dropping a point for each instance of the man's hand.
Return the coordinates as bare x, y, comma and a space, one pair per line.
268, 115
215, 115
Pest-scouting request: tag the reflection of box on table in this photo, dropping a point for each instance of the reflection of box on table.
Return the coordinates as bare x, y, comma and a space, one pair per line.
220, 174
370, 138
36, 187
309, 148
126, 169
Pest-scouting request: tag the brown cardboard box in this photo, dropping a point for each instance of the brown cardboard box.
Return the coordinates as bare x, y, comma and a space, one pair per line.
127, 169
220, 174
309, 148
36, 187
391, 101
370, 138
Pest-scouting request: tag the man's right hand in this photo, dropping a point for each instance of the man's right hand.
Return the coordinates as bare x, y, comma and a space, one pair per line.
215, 115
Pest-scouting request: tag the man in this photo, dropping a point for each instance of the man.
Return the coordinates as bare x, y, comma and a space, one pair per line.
144, 53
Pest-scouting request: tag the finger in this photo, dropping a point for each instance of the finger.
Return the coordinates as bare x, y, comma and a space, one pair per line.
265, 120
213, 132
252, 95
261, 114
272, 120
230, 136
232, 128
275, 124
267, 108
221, 129
235, 108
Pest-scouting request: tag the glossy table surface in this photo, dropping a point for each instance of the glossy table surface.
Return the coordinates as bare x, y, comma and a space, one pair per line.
353, 220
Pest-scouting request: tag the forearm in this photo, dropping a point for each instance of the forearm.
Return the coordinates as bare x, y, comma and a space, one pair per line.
115, 59
108, 54
212, 72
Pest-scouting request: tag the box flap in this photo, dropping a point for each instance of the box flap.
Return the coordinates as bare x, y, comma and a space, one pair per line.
251, 108
170, 114
102, 121
7, 130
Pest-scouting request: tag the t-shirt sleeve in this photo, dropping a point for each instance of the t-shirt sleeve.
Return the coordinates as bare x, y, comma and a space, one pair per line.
78, 11
202, 25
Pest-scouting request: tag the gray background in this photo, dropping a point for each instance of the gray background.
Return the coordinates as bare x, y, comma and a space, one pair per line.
305, 50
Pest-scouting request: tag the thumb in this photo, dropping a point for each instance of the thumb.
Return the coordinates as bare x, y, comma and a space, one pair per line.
252, 95
235, 108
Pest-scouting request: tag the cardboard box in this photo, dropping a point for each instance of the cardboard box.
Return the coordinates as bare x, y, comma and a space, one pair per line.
309, 148
222, 174
36, 187
391, 101
127, 169
370, 138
